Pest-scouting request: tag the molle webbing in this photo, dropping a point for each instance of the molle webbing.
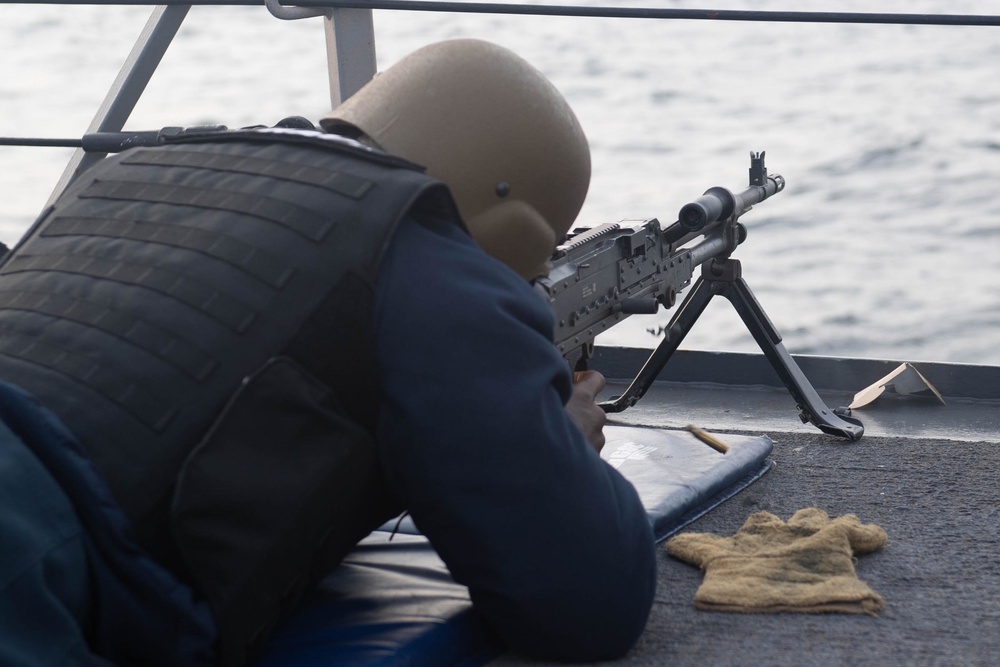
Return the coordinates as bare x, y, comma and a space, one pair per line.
164, 276
313, 225
200, 296
254, 261
171, 347
147, 408
334, 181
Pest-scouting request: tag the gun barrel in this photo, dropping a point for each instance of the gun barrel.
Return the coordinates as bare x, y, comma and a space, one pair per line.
718, 204
757, 193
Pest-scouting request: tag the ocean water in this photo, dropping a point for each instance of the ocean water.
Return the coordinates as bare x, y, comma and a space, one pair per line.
884, 244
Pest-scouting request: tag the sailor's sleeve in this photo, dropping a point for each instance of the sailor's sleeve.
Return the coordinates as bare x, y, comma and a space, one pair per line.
552, 542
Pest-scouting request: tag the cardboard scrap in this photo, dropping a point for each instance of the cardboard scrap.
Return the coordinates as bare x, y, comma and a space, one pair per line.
905, 380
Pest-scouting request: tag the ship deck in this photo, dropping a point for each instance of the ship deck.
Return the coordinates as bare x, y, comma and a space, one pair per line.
926, 473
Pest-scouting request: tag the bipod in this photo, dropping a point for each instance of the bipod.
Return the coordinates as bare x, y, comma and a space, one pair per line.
723, 277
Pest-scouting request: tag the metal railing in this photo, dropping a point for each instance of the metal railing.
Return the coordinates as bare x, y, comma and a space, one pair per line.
350, 41
302, 8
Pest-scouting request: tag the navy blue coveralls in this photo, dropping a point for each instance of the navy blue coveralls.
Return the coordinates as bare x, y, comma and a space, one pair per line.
553, 543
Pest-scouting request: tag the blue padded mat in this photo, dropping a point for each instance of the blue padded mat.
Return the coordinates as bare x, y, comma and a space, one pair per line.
678, 477
392, 601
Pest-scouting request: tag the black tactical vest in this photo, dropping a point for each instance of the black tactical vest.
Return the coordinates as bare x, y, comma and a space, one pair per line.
199, 315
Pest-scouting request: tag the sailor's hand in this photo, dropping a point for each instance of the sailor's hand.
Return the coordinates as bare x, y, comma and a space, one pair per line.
583, 410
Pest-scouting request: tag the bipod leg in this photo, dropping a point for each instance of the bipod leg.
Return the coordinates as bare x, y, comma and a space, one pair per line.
680, 324
724, 278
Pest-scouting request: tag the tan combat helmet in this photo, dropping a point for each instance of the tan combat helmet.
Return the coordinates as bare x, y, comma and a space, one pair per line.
491, 127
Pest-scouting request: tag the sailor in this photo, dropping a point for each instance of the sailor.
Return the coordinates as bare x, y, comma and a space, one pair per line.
228, 359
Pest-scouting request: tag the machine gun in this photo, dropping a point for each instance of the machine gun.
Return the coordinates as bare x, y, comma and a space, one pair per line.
603, 274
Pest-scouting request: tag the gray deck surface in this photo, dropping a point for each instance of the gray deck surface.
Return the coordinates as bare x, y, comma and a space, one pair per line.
940, 573
937, 497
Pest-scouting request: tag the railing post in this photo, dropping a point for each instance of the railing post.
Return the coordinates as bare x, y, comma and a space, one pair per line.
350, 49
135, 73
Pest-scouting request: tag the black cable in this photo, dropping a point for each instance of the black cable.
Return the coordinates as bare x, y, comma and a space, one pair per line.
33, 141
